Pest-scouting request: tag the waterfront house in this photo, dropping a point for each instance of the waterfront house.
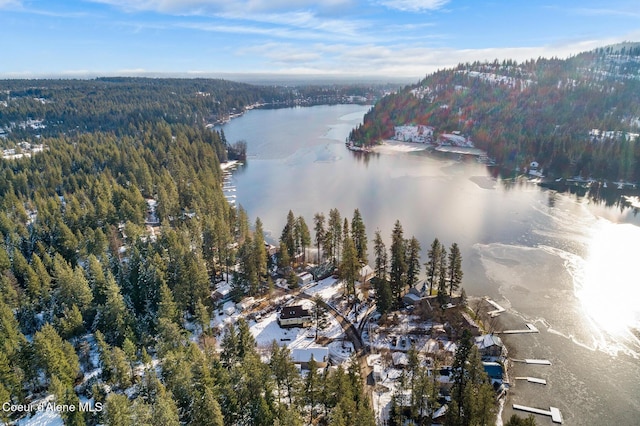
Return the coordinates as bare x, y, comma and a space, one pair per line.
490, 346
294, 316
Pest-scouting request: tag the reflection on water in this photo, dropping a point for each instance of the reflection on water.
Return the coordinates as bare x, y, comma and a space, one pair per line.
608, 288
561, 261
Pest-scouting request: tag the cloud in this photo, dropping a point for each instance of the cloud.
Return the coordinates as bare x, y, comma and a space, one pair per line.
7, 4
213, 7
414, 5
610, 12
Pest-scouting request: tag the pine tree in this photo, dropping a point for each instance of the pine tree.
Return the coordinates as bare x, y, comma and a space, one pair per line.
380, 252
398, 262
318, 227
260, 251
320, 312
56, 356
455, 268
359, 234
304, 236
413, 261
433, 264
349, 267
334, 233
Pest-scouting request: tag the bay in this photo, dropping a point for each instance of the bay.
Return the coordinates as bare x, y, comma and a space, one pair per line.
559, 261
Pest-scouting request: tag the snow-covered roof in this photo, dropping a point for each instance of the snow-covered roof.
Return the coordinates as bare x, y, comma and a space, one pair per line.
487, 341
305, 354
399, 358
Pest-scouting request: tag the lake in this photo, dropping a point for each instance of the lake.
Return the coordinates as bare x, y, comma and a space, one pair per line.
561, 262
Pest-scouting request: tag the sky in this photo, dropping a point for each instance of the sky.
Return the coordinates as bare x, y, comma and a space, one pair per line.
332, 38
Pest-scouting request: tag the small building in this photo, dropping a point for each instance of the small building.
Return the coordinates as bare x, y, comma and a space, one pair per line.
379, 373
302, 356
294, 316
305, 278
399, 359
411, 299
490, 346
222, 293
366, 273
245, 304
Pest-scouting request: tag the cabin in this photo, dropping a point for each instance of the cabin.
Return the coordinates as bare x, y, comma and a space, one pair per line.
305, 278
366, 273
222, 293
294, 316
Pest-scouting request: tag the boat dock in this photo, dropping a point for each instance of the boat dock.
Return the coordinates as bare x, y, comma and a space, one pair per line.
533, 361
533, 380
499, 309
530, 329
553, 412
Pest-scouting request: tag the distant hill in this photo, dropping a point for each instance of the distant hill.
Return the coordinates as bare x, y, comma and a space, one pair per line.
575, 116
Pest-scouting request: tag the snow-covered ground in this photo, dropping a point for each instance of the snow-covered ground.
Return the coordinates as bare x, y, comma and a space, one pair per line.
390, 146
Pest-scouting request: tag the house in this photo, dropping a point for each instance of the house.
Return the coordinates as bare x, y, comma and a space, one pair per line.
490, 346
294, 316
379, 373
415, 294
222, 293
302, 356
366, 273
304, 278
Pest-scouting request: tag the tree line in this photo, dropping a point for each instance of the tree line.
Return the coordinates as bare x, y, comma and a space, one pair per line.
112, 245
544, 113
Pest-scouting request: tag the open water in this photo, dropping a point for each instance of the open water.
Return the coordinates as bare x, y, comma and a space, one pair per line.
566, 264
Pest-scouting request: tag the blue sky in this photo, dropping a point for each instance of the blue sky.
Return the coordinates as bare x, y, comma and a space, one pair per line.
397, 38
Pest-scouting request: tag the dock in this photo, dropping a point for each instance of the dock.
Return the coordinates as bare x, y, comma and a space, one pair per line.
533, 361
553, 412
530, 329
499, 309
533, 380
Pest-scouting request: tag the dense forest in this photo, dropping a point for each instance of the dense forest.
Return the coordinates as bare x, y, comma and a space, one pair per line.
42, 108
113, 237
576, 117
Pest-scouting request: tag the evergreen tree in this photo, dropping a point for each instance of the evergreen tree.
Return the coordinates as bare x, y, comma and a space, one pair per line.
320, 312
359, 234
433, 264
288, 236
349, 267
284, 371
334, 233
413, 261
318, 227
56, 356
455, 268
380, 252
260, 251
304, 236
398, 271
112, 317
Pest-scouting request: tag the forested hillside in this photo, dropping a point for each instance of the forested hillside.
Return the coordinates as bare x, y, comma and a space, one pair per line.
576, 116
113, 237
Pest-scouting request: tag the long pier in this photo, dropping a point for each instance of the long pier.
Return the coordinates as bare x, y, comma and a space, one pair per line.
533, 361
553, 412
533, 380
530, 329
